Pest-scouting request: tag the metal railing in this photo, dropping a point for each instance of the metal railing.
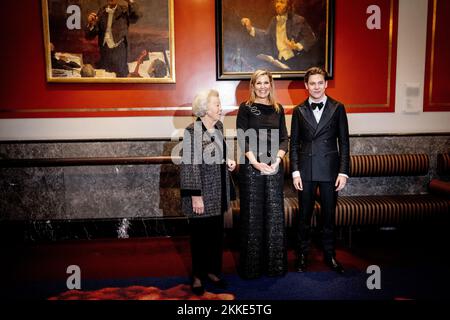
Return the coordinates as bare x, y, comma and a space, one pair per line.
88, 161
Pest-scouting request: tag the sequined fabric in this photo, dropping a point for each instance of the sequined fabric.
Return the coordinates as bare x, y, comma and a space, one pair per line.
262, 229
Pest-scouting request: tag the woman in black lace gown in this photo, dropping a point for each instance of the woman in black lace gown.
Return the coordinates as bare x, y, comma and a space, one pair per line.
262, 137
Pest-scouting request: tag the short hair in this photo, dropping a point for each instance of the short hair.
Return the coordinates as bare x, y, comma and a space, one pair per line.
157, 69
313, 71
200, 103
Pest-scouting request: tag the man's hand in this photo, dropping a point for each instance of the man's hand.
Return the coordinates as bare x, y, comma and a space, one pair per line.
246, 22
92, 19
298, 185
197, 205
294, 45
341, 181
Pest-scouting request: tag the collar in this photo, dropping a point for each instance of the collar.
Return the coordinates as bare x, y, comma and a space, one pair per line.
323, 100
203, 125
282, 17
110, 10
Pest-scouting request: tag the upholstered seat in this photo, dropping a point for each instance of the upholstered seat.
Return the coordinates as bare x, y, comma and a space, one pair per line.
382, 210
390, 210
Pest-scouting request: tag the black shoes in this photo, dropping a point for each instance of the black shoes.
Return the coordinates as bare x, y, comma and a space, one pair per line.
215, 281
197, 290
220, 283
334, 265
330, 261
300, 264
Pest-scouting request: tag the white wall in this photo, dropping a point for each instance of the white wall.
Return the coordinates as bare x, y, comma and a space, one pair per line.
410, 69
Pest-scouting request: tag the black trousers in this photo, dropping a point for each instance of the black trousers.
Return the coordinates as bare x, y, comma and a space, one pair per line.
206, 245
261, 219
328, 198
115, 59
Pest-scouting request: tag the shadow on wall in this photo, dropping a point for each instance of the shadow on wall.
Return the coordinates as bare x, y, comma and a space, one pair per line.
169, 185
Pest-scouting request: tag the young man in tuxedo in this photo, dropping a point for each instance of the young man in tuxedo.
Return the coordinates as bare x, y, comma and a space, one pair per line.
319, 156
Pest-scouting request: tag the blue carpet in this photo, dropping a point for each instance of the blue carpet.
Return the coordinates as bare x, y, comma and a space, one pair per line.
396, 283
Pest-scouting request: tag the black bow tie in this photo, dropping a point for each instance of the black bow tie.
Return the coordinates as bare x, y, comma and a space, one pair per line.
317, 105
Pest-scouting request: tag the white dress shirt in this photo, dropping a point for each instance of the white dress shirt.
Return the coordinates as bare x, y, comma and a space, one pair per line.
284, 50
109, 40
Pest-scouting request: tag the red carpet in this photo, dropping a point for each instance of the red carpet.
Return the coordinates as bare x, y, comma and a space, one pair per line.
180, 292
131, 258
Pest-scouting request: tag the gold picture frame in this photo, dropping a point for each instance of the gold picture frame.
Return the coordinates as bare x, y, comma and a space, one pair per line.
138, 46
244, 47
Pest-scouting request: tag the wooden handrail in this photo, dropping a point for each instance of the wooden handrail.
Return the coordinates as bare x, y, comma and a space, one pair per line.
94, 161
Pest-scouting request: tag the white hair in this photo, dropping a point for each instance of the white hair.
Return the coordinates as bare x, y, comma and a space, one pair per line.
200, 103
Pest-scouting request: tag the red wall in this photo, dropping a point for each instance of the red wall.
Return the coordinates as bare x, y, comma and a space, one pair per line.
437, 84
364, 67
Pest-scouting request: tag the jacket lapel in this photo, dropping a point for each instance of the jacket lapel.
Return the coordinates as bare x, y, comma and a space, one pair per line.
289, 26
308, 115
328, 111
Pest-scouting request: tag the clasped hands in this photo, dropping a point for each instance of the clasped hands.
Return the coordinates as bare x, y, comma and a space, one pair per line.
266, 169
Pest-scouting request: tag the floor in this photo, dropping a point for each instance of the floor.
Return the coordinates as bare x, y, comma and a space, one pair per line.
412, 262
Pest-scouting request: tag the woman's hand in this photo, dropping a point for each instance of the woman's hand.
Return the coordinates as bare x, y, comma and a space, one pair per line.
263, 167
197, 205
231, 164
276, 165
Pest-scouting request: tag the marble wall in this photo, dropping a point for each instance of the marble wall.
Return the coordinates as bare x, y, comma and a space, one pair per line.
87, 192
146, 194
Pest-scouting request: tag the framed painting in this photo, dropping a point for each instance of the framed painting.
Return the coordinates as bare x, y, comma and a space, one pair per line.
109, 40
285, 37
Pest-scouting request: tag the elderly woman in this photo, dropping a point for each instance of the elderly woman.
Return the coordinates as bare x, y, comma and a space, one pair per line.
205, 188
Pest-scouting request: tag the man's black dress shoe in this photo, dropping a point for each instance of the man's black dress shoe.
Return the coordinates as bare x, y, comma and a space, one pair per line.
220, 284
198, 291
300, 264
334, 265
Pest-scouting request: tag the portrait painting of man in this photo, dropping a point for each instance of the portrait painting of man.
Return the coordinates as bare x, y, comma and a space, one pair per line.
109, 40
285, 37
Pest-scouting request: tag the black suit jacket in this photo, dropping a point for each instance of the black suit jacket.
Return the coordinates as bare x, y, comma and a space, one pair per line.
123, 17
320, 151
